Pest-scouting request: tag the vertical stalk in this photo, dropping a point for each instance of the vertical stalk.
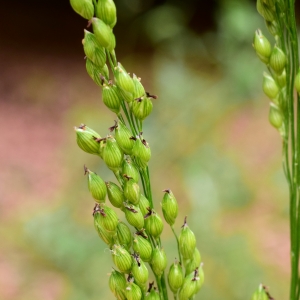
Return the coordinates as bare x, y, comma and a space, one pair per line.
292, 67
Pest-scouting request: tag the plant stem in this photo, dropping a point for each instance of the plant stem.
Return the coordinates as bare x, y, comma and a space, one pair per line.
176, 237
164, 286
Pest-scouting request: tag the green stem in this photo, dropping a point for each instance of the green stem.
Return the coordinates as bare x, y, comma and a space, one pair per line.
292, 66
161, 294
164, 286
176, 237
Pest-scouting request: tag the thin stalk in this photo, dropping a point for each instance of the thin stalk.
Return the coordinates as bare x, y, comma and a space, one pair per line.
292, 66
112, 65
161, 294
164, 286
176, 237
128, 117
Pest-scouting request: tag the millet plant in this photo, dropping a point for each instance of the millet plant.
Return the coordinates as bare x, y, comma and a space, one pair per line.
137, 248
279, 84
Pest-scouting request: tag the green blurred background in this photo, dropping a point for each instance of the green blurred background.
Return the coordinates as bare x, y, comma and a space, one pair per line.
209, 135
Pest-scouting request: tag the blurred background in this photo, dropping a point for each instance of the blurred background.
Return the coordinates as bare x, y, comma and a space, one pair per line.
209, 134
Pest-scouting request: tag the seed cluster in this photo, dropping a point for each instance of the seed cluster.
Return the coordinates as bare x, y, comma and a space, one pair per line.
126, 153
274, 82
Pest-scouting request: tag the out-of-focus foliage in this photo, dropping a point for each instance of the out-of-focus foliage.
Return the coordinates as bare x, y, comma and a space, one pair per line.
211, 145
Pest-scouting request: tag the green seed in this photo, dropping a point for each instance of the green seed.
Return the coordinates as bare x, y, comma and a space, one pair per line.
175, 277
275, 116
131, 190
93, 50
158, 261
96, 186
84, 8
123, 80
86, 139
95, 72
260, 294
143, 247
270, 87
277, 60
141, 151
191, 284
111, 97
144, 204
139, 271
133, 291
187, 241
265, 11
121, 258
130, 169
262, 46
102, 32
106, 11
117, 284
153, 224
106, 217
134, 216
115, 194
107, 237
169, 207
123, 137
193, 263
112, 154
124, 235
139, 89
142, 108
